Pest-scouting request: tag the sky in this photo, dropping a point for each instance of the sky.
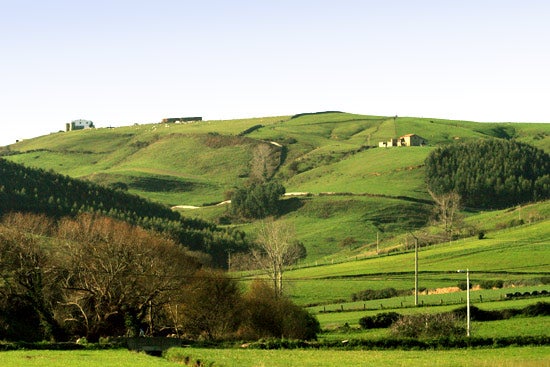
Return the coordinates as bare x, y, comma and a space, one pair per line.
120, 62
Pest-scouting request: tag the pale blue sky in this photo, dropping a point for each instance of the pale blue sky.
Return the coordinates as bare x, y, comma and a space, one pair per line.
119, 62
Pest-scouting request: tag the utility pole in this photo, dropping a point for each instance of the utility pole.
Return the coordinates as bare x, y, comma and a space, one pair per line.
467, 271
468, 301
416, 271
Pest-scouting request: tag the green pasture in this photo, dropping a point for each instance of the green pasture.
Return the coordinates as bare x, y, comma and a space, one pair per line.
184, 155
352, 312
528, 356
322, 223
229, 127
489, 299
513, 255
210, 213
77, 164
534, 134
382, 171
514, 327
439, 131
518, 326
511, 356
499, 219
80, 358
326, 138
170, 190
526, 245
93, 140
322, 129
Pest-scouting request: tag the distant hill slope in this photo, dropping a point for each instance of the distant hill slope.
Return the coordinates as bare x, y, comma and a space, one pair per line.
333, 152
518, 255
195, 163
34, 190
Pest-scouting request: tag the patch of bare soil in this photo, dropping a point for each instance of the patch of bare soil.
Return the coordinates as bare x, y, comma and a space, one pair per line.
446, 290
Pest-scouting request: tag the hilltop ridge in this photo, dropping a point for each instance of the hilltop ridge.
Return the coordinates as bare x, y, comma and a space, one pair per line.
374, 192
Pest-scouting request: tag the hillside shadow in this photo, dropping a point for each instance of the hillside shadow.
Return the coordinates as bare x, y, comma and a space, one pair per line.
155, 184
290, 205
504, 132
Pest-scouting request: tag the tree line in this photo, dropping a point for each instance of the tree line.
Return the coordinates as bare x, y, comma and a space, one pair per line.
39, 191
93, 276
492, 173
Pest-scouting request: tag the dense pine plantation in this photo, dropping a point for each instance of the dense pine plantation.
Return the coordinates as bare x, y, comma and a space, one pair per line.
38, 191
490, 173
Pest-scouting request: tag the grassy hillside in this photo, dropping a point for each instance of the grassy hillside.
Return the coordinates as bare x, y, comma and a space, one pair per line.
197, 163
517, 255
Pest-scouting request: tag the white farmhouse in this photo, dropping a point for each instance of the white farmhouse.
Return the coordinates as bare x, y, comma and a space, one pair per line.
409, 140
79, 125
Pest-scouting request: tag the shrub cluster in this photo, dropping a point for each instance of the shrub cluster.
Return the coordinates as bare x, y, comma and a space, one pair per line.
445, 324
491, 284
381, 320
428, 326
477, 314
510, 224
371, 294
270, 316
526, 294
462, 285
250, 129
538, 309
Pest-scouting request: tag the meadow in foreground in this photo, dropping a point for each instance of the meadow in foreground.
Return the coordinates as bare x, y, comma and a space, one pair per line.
527, 356
80, 358
532, 356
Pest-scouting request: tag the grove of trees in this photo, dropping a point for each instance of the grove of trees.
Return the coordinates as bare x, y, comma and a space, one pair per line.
93, 276
257, 200
493, 173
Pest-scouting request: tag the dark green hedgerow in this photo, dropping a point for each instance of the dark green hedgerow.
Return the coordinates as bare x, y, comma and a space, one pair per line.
6, 346
405, 343
352, 344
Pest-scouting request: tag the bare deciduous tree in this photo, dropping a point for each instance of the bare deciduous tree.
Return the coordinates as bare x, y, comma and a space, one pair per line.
115, 271
446, 210
276, 248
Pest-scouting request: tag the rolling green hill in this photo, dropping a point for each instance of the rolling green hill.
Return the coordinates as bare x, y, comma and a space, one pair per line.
517, 255
24, 189
356, 189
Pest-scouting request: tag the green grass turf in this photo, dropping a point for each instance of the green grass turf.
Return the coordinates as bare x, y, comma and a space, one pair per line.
81, 358
529, 356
